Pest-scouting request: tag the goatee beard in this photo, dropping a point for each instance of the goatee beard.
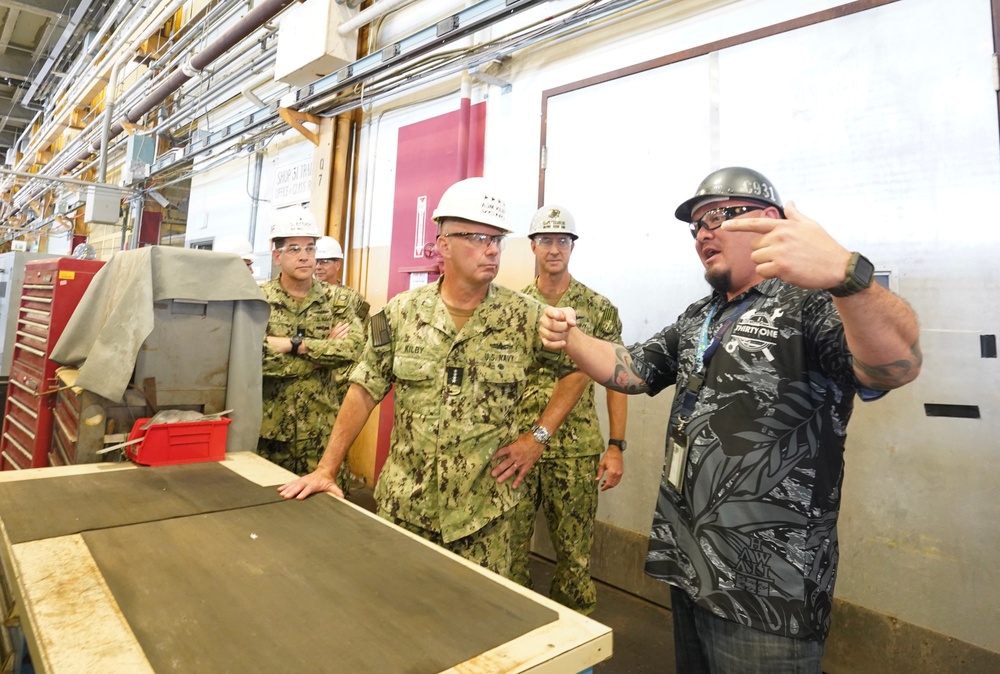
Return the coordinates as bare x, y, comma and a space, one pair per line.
720, 281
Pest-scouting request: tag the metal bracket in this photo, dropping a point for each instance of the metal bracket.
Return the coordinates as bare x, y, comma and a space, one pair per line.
295, 119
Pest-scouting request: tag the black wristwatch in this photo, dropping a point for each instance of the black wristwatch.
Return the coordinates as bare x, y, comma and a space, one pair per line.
296, 343
620, 444
860, 272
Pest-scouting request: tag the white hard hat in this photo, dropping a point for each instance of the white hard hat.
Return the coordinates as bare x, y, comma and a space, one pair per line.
234, 243
294, 221
328, 248
553, 219
475, 200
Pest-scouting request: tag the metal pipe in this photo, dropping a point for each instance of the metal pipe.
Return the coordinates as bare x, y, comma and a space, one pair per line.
218, 14
247, 91
258, 172
109, 107
370, 14
464, 120
221, 89
113, 20
252, 21
69, 181
67, 33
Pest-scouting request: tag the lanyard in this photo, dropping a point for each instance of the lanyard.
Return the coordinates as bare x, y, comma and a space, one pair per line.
704, 354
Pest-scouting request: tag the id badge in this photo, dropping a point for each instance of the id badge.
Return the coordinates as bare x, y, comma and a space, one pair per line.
678, 443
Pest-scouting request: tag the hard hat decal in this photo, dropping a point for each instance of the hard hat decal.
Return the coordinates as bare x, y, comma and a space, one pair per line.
494, 207
553, 219
473, 199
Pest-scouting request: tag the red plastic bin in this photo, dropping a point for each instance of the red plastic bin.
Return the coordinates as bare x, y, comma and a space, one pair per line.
180, 442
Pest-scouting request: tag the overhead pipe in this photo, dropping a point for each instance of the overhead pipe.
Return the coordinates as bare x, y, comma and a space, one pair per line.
369, 14
464, 121
248, 89
216, 16
115, 19
101, 146
71, 83
253, 20
67, 33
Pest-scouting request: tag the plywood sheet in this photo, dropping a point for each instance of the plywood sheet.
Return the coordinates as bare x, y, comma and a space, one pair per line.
58, 506
312, 586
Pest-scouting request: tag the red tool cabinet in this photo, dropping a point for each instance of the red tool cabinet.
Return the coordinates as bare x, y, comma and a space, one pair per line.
51, 291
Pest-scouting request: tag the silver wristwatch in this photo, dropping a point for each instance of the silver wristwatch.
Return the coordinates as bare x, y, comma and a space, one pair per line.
541, 434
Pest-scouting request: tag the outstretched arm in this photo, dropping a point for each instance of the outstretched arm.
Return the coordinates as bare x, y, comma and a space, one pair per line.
881, 328
357, 407
609, 364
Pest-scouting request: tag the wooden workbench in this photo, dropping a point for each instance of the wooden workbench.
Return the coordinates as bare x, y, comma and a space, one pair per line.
203, 568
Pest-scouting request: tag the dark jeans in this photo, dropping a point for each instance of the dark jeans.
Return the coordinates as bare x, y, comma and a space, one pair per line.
707, 644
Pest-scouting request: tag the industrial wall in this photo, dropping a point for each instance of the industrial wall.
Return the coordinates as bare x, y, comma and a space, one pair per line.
879, 119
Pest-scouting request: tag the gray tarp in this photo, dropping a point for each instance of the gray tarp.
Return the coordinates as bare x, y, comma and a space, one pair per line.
115, 316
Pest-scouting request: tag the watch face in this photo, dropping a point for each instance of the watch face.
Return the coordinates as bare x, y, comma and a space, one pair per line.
864, 270
541, 435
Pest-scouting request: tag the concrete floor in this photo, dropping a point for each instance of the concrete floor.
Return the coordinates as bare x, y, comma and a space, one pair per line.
643, 632
642, 640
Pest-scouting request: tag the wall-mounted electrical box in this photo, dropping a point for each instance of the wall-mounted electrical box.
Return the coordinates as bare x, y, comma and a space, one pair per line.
102, 205
309, 46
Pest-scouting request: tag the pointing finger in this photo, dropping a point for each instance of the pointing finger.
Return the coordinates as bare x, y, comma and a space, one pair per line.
758, 225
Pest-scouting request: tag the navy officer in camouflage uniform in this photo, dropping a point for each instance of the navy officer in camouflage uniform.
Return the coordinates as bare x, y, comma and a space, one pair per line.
329, 263
565, 481
766, 369
458, 352
313, 329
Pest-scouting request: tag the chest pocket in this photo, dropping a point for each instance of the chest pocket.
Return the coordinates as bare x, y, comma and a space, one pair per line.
412, 372
497, 390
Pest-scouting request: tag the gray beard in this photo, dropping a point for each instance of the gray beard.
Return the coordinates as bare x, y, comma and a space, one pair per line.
720, 281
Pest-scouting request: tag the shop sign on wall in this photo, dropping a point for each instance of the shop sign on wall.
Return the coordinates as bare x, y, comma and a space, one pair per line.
292, 183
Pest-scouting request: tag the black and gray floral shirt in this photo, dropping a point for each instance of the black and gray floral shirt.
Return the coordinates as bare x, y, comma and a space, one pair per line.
752, 536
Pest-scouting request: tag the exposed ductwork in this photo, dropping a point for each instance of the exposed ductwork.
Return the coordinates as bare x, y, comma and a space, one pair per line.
252, 21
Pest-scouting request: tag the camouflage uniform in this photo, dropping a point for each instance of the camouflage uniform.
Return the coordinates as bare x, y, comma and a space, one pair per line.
563, 482
342, 373
299, 392
357, 302
456, 398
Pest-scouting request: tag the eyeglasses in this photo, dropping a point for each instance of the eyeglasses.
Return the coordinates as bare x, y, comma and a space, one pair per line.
326, 261
549, 241
295, 250
481, 240
715, 217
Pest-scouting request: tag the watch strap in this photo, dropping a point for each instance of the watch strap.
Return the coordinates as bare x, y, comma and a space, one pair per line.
620, 444
541, 434
859, 275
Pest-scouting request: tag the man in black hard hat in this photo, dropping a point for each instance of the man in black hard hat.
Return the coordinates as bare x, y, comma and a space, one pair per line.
766, 369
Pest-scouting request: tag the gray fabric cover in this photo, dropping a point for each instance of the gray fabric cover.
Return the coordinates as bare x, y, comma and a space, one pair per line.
115, 316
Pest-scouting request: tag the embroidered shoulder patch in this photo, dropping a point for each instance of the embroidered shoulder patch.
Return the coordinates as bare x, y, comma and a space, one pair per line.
380, 332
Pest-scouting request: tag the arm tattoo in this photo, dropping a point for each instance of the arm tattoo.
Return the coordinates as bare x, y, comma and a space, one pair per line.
625, 378
893, 375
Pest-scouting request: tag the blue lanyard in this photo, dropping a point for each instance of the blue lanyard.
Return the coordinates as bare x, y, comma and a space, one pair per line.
704, 354
707, 349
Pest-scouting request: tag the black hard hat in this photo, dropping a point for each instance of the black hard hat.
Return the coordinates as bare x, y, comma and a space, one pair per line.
734, 182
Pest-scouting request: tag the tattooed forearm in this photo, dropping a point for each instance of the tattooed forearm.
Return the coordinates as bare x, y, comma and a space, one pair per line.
625, 378
892, 375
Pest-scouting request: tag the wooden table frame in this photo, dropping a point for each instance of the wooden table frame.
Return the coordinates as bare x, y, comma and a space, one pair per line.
72, 622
